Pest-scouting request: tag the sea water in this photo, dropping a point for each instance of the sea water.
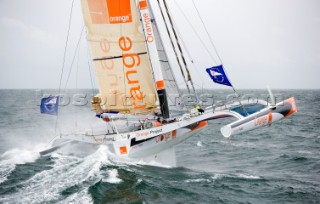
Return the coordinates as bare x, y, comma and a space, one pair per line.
277, 164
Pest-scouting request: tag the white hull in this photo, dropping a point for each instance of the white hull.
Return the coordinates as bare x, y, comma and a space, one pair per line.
148, 142
161, 142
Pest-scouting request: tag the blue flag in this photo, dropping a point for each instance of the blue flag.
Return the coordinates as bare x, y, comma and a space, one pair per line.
218, 75
49, 105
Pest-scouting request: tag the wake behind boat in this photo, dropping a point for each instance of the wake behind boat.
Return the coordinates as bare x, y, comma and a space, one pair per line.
138, 90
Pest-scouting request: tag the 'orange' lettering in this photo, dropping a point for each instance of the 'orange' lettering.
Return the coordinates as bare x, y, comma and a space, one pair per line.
104, 45
125, 43
131, 81
107, 64
131, 61
131, 56
136, 93
138, 106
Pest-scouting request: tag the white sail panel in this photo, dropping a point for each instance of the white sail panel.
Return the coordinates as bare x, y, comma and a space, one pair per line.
173, 93
120, 55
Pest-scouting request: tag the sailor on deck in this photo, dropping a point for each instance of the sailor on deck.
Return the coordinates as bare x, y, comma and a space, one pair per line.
199, 109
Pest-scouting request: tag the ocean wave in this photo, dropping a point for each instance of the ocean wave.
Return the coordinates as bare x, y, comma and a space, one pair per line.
11, 158
19, 156
199, 180
113, 177
150, 163
305, 152
67, 172
236, 176
244, 176
82, 197
295, 158
218, 176
199, 144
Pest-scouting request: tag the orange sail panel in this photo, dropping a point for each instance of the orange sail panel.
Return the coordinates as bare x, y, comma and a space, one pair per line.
120, 56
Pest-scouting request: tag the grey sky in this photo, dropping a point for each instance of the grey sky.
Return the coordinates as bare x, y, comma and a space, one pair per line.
261, 42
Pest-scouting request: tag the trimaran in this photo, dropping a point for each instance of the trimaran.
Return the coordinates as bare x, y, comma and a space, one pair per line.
138, 89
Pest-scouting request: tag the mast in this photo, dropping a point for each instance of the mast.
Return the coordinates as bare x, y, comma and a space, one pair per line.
154, 58
173, 91
173, 46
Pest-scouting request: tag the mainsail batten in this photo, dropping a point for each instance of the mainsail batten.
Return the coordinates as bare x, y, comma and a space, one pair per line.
119, 55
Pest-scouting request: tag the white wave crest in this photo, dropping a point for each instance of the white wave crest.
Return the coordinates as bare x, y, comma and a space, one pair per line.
82, 197
17, 156
11, 158
113, 177
248, 176
67, 172
200, 180
242, 176
199, 144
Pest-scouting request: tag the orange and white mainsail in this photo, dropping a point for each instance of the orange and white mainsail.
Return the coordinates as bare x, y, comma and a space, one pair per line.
120, 57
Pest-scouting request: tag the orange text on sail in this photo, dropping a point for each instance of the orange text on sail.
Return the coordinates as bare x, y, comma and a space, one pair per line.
147, 21
131, 62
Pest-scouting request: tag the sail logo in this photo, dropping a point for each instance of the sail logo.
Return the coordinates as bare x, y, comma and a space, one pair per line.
215, 73
147, 22
119, 11
122, 19
110, 11
51, 101
156, 131
131, 62
261, 121
166, 136
218, 76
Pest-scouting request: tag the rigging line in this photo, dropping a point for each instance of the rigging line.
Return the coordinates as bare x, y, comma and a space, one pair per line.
195, 31
237, 95
205, 28
179, 47
188, 53
74, 56
182, 41
77, 73
214, 47
156, 30
89, 68
64, 59
173, 47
